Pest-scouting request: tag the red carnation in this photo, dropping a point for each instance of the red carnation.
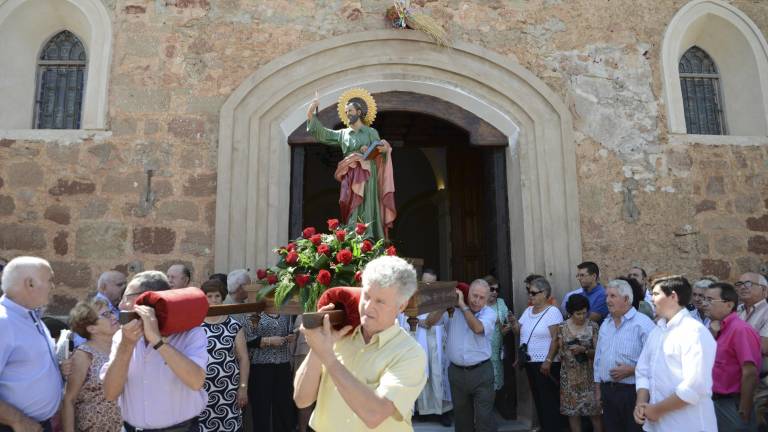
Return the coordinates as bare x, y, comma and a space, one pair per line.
324, 277
391, 251
323, 249
333, 224
290, 247
292, 258
316, 239
271, 279
261, 274
360, 228
344, 256
301, 280
341, 234
358, 276
308, 232
366, 246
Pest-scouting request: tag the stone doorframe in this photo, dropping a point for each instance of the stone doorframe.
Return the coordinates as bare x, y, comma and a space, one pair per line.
254, 166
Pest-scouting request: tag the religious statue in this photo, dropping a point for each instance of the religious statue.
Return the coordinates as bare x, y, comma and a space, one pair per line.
367, 181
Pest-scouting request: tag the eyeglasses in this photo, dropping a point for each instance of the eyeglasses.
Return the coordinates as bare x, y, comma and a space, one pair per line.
747, 284
494, 288
107, 314
709, 300
534, 293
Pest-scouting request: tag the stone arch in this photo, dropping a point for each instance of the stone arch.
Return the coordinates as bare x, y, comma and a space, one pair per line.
252, 203
25, 26
740, 51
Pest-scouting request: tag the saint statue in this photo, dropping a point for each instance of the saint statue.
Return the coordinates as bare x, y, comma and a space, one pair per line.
367, 182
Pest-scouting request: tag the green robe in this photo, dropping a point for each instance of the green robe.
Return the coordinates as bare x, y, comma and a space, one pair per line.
352, 141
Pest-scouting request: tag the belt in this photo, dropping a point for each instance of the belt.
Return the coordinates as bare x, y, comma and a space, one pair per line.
613, 384
183, 425
716, 396
470, 367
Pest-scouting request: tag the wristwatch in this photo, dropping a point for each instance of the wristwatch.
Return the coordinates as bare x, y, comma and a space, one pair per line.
159, 343
465, 308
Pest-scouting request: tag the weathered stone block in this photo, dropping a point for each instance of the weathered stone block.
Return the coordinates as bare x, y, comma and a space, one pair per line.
200, 185
178, 210
141, 100
72, 187
72, 274
123, 126
187, 128
162, 188
705, 205
60, 304
715, 186
758, 224
729, 245
60, 243
758, 245
747, 264
95, 209
103, 240
57, 213
719, 268
25, 174
154, 240
65, 154
747, 204
103, 152
134, 9
196, 243
7, 205
21, 237
123, 184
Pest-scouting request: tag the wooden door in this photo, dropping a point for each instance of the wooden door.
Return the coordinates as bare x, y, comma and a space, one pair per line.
465, 186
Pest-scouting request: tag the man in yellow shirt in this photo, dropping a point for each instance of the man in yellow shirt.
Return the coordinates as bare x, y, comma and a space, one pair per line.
366, 378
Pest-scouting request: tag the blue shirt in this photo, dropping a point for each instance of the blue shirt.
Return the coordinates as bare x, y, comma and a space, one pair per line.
79, 340
30, 380
596, 299
463, 346
622, 344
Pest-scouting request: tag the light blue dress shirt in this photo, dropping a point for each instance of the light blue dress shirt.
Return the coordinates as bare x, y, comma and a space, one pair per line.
30, 380
463, 346
622, 344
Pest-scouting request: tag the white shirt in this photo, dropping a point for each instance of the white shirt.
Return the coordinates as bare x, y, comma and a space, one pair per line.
677, 359
538, 338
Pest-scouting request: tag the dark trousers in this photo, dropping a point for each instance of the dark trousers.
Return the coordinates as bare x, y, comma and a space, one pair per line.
618, 407
472, 393
191, 425
728, 418
270, 394
546, 396
46, 427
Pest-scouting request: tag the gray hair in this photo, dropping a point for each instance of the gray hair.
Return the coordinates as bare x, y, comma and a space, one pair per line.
17, 268
104, 278
391, 271
235, 278
542, 285
703, 283
625, 290
151, 280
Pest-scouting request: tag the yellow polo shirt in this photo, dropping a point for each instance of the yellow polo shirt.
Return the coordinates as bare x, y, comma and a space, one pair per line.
393, 364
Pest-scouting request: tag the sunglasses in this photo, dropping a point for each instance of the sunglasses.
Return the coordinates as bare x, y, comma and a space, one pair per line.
534, 293
494, 288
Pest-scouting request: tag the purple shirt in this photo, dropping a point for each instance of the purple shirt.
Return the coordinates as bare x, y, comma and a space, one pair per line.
737, 344
154, 397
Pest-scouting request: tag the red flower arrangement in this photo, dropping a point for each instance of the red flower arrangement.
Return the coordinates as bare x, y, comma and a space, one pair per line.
314, 262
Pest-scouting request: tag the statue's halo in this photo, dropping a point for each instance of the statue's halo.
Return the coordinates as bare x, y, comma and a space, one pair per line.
365, 97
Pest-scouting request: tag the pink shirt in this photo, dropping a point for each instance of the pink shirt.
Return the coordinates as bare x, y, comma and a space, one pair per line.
153, 396
737, 344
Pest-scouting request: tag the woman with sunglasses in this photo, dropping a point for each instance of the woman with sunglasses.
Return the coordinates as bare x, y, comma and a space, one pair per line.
501, 329
537, 328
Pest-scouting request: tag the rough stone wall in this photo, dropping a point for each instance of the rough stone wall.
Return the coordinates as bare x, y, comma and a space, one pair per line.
92, 204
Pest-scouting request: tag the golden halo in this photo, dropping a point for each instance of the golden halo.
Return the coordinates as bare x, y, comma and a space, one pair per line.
359, 93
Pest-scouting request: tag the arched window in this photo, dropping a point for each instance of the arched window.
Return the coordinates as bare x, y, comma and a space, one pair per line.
700, 83
61, 80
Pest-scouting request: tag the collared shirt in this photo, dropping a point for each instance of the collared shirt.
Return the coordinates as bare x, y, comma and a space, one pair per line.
737, 343
30, 380
392, 364
464, 347
649, 299
700, 317
79, 340
621, 344
153, 396
677, 359
596, 299
757, 317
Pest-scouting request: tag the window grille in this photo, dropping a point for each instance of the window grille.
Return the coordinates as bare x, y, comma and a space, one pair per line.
60, 83
702, 99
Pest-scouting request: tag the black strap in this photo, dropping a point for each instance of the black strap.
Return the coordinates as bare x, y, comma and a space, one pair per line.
537, 323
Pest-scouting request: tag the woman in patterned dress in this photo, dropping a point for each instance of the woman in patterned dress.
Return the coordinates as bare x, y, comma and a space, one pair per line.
575, 343
84, 407
226, 377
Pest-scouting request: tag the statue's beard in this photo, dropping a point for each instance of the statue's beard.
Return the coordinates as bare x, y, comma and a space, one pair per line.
353, 118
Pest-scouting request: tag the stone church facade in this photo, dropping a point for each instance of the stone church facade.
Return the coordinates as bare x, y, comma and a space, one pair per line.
180, 151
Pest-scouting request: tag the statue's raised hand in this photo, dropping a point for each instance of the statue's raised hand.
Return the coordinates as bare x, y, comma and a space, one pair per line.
313, 105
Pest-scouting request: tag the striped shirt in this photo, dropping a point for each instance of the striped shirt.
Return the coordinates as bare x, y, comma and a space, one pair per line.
621, 345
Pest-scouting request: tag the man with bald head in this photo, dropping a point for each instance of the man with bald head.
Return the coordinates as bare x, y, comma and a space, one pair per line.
468, 348
179, 276
753, 309
30, 380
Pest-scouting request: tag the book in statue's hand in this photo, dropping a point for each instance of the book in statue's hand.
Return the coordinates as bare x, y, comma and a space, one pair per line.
373, 150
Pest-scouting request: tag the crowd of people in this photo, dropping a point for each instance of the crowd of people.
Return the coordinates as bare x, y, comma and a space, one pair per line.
654, 353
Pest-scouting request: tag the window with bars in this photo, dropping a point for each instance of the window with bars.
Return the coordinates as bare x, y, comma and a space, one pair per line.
60, 83
702, 99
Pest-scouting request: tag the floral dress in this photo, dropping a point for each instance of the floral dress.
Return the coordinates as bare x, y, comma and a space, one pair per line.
93, 412
498, 367
222, 378
577, 387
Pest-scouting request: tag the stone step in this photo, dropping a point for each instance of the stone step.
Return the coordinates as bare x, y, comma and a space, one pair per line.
504, 426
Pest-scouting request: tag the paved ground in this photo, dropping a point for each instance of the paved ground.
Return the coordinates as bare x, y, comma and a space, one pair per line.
504, 426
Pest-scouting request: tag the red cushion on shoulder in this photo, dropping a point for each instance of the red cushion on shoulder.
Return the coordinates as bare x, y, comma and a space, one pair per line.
346, 298
464, 287
176, 310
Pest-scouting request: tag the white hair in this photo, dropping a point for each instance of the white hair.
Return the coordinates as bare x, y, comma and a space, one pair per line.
702, 283
235, 278
17, 269
625, 290
391, 271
